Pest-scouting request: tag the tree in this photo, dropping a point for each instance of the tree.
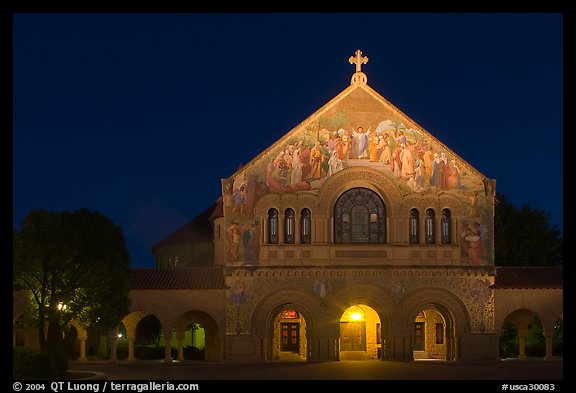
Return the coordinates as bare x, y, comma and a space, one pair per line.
73, 265
524, 237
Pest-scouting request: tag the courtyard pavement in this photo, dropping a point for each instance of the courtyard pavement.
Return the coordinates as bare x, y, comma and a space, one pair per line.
504, 371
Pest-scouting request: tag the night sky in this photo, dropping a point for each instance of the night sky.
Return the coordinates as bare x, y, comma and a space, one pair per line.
140, 115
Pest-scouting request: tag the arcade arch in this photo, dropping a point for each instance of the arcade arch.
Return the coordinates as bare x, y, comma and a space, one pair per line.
286, 313
197, 329
427, 309
524, 334
360, 333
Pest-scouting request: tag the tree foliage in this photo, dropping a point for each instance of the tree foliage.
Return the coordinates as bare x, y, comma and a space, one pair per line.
73, 265
524, 236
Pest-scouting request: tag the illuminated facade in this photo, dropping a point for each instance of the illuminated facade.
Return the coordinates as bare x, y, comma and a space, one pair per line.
359, 206
357, 235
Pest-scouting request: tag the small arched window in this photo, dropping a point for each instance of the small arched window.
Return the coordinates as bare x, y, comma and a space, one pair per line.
413, 226
273, 226
305, 226
289, 226
430, 227
446, 232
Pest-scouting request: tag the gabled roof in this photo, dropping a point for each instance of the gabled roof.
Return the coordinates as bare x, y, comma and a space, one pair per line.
528, 277
368, 102
201, 277
197, 230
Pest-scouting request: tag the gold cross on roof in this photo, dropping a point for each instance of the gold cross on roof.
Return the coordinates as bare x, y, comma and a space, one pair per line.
359, 60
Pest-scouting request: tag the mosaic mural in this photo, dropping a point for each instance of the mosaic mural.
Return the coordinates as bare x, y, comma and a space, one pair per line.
245, 293
357, 130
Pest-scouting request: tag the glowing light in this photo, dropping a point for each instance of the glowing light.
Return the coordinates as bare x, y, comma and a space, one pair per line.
356, 316
290, 314
61, 306
119, 335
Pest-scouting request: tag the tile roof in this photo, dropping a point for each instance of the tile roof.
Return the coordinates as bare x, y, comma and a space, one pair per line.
528, 277
200, 277
212, 277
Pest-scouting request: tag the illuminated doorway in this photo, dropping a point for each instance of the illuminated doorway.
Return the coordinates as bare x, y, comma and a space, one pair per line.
353, 336
360, 333
289, 342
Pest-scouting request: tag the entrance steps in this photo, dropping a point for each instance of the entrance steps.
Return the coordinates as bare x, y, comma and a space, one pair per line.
354, 355
422, 355
286, 356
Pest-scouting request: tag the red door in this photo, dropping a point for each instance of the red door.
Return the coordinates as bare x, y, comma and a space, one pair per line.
290, 337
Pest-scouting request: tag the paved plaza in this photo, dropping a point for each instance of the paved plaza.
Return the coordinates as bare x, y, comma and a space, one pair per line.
506, 370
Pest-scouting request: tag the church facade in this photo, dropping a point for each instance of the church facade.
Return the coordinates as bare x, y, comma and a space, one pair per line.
367, 230
357, 235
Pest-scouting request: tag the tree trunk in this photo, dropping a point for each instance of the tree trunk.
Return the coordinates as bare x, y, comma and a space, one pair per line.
55, 347
42, 334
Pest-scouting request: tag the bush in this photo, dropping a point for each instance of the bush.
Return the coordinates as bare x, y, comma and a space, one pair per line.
193, 353
151, 352
29, 363
508, 341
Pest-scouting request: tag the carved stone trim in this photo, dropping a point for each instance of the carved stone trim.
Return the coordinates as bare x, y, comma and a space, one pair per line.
352, 177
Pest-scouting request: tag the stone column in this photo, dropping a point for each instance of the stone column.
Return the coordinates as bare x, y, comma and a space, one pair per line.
409, 348
521, 345
549, 348
452, 342
333, 349
180, 347
421, 227
455, 349
297, 229
325, 348
113, 341
385, 349
168, 348
264, 348
281, 228
311, 344
130, 348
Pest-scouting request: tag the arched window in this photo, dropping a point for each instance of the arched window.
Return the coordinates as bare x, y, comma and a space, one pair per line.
413, 226
289, 226
359, 217
305, 226
446, 232
429, 227
273, 226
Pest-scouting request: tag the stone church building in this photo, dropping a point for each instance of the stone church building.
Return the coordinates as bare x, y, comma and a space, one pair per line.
356, 235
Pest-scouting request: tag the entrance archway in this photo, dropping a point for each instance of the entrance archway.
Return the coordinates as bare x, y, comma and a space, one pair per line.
289, 341
360, 333
430, 329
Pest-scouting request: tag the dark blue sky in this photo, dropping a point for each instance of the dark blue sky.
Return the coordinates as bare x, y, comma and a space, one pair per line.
139, 116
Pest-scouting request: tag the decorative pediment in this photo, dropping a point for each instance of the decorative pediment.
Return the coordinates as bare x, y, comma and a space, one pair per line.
358, 139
